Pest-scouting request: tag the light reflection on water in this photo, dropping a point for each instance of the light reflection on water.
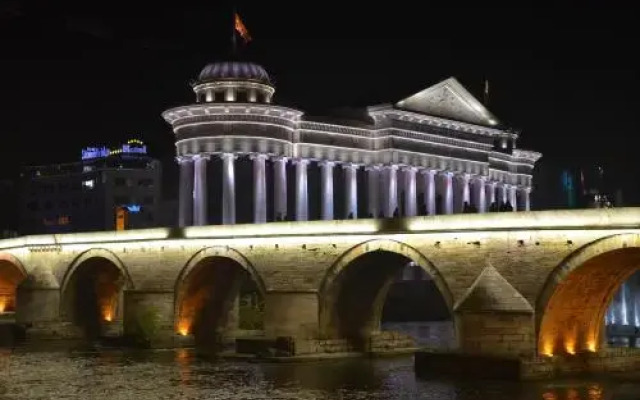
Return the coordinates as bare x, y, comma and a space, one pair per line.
180, 375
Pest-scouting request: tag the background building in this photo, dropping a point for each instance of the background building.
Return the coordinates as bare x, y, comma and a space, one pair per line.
565, 184
8, 205
83, 196
244, 159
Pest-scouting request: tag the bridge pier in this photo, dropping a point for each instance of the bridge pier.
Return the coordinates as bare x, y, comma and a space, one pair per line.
38, 309
494, 319
149, 317
292, 314
496, 334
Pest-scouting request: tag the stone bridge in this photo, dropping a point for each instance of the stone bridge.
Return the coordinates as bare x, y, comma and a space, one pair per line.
517, 284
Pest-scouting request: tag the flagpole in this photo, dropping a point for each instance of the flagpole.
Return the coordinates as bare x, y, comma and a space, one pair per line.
486, 92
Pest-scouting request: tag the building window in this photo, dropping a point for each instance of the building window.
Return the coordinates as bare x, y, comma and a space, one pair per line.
89, 183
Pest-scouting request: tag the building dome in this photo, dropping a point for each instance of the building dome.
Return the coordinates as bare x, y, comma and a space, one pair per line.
234, 70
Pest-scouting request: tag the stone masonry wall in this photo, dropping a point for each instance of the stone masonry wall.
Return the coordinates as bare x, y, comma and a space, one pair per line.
526, 249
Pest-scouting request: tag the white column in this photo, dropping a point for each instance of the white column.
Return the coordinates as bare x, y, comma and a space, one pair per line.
526, 197
373, 183
326, 183
351, 190
480, 194
512, 197
228, 189
502, 193
185, 216
200, 189
391, 190
447, 192
463, 193
430, 190
490, 187
259, 188
302, 204
280, 187
410, 209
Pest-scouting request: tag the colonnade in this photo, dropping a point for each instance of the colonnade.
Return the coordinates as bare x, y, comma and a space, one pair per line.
392, 190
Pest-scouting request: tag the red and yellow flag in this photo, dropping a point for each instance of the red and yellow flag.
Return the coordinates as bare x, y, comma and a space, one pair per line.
242, 29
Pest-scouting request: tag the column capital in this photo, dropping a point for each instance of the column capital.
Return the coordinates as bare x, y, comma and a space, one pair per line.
446, 173
302, 161
372, 167
201, 156
351, 165
232, 156
427, 171
390, 166
183, 159
254, 156
279, 158
408, 168
328, 163
463, 176
482, 178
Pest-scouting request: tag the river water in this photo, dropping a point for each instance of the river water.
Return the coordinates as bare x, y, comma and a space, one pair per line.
28, 374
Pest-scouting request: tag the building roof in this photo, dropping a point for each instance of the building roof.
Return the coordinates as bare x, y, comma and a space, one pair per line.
449, 99
234, 70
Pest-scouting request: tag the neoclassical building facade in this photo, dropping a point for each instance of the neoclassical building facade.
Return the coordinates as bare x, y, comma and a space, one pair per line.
439, 151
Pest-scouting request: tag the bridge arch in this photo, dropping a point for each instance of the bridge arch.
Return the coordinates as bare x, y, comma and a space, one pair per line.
91, 294
571, 307
206, 289
343, 316
12, 273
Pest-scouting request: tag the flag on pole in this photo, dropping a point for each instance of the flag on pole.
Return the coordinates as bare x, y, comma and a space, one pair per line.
241, 28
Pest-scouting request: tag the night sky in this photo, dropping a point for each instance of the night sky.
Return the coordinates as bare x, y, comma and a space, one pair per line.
99, 74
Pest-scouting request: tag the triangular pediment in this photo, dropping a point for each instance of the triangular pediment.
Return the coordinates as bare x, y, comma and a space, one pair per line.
449, 99
490, 292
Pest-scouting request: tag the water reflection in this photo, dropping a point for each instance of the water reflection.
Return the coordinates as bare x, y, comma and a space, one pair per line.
182, 375
89, 372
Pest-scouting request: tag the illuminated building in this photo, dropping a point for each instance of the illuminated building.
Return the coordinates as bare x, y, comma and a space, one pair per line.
439, 151
83, 195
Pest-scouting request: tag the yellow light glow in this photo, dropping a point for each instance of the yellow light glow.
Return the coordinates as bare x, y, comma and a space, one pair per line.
529, 220
547, 349
570, 347
591, 346
183, 328
3, 305
285, 229
108, 317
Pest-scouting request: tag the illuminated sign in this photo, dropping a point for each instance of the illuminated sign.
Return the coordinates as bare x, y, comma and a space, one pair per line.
94, 152
134, 208
132, 146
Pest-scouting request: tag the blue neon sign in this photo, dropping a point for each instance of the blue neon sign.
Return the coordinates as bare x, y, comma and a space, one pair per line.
94, 152
134, 208
131, 147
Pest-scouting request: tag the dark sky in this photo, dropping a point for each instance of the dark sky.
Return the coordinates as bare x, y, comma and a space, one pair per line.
103, 72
